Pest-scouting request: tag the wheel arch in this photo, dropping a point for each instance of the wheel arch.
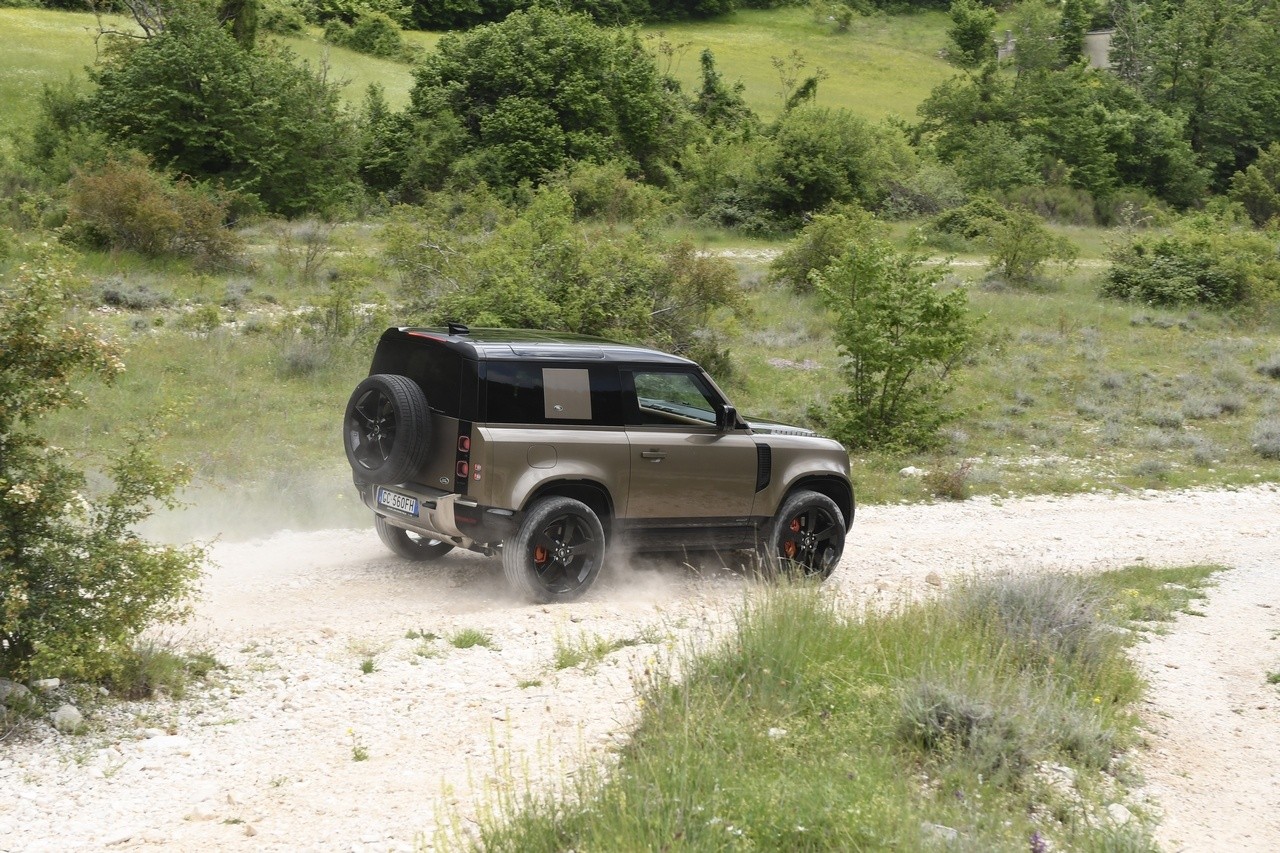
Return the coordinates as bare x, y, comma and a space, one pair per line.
835, 488
591, 493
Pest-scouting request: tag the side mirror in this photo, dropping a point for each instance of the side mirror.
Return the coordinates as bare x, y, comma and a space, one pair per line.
726, 418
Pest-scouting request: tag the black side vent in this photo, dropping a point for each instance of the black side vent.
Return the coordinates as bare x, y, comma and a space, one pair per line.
764, 466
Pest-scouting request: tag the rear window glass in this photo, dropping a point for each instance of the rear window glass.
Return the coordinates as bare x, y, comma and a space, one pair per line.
436, 369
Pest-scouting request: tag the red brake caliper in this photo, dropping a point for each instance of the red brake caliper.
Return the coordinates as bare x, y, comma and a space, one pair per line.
789, 546
540, 554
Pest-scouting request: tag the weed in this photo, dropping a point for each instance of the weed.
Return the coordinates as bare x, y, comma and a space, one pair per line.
588, 650
469, 637
368, 667
1273, 677
526, 683
154, 667
950, 482
419, 634
1271, 367
359, 752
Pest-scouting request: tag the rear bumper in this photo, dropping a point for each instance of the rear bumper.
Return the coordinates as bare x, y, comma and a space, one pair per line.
444, 515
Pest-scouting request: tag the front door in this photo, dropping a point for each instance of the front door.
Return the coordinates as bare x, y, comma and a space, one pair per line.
684, 471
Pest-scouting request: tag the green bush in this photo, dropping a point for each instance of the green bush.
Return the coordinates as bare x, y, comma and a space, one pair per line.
125, 205
822, 242
900, 337
972, 221
77, 583
1201, 261
373, 33
266, 125
1021, 246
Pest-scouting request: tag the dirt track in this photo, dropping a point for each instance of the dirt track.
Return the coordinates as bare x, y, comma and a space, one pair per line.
267, 762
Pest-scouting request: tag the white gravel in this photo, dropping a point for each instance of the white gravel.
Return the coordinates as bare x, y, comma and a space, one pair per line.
266, 760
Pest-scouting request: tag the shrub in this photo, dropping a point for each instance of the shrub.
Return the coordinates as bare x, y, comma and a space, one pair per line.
950, 482
901, 337
604, 191
1021, 246
1265, 438
124, 205
1271, 367
973, 220
1201, 261
824, 239
1067, 205
373, 33
77, 583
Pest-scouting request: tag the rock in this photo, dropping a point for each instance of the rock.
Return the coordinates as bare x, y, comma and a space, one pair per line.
933, 579
249, 830
67, 719
937, 830
776, 733
1119, 814
46, 685
202, 811
14, 695
117, 837
911, 471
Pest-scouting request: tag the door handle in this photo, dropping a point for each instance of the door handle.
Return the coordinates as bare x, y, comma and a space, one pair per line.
655, 455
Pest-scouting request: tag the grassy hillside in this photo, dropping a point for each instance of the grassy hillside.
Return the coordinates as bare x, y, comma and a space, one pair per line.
882, 66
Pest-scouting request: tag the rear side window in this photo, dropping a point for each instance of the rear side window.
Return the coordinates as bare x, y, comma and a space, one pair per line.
521, 393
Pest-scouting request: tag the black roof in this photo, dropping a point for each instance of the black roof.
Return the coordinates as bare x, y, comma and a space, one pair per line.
525, 344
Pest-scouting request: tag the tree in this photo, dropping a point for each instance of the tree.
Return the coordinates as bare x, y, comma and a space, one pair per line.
1021, 246
1258, 187
970, 32
901, 338
254, 121
77, 583
541, 89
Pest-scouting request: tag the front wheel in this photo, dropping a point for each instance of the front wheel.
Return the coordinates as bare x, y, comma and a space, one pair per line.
557, 552
806, 536
411, 546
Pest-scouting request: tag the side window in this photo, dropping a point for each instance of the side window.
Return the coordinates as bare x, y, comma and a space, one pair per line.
522, 393
668, 398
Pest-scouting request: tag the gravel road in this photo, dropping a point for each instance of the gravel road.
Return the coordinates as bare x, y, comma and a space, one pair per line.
267, 758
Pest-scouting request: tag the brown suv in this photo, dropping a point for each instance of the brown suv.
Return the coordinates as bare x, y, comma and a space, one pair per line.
551, 448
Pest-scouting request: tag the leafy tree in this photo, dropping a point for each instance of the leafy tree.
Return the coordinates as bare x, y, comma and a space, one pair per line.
721, 106
1257, 188
901, 338
254, 121
1035, 28
538, 90
1213, 64
970, 32
816, 157
77, 583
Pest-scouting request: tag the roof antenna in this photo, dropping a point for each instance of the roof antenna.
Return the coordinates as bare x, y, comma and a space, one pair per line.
458, 329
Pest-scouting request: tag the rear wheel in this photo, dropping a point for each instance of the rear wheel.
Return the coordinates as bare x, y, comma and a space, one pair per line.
407, 544
806, 537
557, 552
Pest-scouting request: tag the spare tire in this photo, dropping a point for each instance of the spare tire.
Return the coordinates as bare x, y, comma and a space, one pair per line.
387, 429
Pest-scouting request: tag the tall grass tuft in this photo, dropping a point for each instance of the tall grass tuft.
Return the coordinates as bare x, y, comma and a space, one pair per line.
812, 728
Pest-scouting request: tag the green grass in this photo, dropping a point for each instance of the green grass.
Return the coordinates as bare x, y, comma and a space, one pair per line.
883, 66
587, 651
467, 638
811, 728
39, 47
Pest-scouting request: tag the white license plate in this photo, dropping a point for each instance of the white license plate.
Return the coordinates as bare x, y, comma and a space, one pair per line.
398, 502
